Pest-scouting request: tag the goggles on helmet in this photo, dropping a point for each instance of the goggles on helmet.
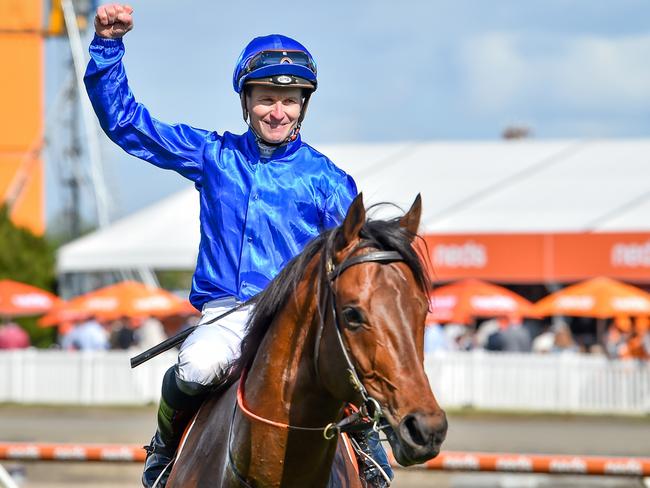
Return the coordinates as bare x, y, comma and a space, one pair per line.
274, 58
282, 67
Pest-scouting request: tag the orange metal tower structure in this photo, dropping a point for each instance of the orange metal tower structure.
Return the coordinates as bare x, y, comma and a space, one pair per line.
21, 112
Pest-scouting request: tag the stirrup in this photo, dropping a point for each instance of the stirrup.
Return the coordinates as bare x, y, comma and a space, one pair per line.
377, 481
372, 474
157, 463
161, 481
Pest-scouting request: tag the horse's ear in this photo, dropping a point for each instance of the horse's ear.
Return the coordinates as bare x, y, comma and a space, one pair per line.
411, 219
353, 222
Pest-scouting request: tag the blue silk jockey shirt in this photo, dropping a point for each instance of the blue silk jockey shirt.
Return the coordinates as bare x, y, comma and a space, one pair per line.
256, 213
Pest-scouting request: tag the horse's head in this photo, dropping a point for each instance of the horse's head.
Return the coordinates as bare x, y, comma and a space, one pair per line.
381, 304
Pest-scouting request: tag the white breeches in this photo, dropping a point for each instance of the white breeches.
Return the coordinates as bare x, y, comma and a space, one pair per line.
208, 351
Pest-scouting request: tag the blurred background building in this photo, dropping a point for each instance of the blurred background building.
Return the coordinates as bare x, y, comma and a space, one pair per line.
22, 102
528, 213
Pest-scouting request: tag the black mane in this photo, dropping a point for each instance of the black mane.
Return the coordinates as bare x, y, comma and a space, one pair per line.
384, 235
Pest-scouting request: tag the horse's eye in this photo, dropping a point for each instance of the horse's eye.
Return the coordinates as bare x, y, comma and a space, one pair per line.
353, 317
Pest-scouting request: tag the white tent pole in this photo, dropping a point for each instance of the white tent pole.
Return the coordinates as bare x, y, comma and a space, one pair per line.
90, 123
148, 277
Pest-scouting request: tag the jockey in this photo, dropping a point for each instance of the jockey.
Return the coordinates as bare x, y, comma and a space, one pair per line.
263, 196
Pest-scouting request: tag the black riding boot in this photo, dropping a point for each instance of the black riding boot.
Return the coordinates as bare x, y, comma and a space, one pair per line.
175, 411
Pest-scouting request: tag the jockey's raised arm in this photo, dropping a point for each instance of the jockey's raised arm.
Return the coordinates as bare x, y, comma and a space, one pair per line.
126, 122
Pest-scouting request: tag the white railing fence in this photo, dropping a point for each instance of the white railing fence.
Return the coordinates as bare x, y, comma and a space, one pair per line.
549, 383
80, 378
544, 383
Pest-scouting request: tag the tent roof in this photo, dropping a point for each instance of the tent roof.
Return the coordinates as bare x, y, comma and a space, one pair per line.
467, 187
509, 186
162, 236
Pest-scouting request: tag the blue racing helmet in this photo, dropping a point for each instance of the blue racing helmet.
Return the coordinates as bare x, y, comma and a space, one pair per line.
275, 60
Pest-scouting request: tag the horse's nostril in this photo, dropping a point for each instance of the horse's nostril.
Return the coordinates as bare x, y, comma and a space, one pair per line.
442, 429
414, 430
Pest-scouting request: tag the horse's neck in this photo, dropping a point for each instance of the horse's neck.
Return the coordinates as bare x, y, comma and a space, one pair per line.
281, 381
281, 387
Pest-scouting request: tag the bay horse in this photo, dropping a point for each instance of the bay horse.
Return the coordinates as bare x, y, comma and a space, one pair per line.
342, 322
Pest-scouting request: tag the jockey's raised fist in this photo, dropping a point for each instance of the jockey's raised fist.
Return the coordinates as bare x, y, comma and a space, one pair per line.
113, 20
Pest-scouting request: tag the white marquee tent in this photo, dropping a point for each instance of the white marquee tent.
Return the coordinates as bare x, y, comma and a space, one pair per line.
467, 187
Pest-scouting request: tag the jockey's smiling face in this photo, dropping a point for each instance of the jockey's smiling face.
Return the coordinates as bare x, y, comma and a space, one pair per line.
274, 111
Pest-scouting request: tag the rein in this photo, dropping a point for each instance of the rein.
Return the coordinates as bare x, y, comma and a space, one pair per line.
353, 422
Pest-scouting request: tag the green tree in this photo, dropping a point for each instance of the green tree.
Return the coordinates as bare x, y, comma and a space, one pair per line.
30, 259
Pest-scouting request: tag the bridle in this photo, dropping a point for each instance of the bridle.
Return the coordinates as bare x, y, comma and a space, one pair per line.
370, 406
370, 411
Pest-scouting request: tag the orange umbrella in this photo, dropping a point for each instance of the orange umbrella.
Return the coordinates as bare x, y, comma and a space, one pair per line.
19, 299
461, 301
63, 316
126, 299
598, 298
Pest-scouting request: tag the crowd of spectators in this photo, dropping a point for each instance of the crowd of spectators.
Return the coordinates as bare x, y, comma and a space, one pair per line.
94, 334
90, 333
621, 338
13, 336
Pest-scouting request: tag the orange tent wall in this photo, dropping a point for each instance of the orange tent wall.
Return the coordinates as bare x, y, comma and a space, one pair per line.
539, 258
21, 112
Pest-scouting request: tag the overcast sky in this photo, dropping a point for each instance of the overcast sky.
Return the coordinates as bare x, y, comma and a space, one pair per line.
388, 71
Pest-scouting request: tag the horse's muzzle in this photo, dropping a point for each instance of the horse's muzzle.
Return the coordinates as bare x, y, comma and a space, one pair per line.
418, 437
